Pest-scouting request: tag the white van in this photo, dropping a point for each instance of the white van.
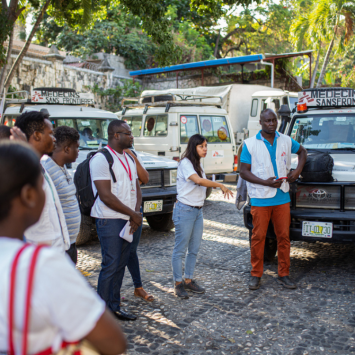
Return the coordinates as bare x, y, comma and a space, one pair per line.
163, 124
261, 100
158, 195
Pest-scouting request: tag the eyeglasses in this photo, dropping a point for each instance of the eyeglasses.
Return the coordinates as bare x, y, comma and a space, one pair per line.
127, 134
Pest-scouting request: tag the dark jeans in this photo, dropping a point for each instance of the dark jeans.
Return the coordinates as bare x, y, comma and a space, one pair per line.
133, 262
115, 253
73, 253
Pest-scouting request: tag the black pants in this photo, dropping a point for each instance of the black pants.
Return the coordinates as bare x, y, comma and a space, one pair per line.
73, 253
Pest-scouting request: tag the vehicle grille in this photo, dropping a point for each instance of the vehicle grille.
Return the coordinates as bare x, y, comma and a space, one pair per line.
155, 179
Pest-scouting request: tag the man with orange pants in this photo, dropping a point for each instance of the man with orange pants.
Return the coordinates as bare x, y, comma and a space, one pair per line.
266, 158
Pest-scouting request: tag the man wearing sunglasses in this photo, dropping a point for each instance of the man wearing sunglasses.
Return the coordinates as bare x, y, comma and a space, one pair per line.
119, 200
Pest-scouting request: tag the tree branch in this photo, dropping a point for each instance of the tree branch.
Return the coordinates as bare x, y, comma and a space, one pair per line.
234, 48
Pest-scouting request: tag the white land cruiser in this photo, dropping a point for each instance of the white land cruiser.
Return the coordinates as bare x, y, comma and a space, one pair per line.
324, 121
163, 123
159, 194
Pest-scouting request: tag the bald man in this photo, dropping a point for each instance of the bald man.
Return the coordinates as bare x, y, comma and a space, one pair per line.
266, 158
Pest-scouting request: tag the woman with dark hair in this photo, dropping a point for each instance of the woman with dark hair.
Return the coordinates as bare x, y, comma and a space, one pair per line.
188, 216
44, 301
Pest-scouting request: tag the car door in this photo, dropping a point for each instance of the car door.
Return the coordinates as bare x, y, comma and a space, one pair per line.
220, 156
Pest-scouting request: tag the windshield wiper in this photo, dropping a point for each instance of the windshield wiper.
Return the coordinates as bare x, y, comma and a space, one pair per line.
352, 149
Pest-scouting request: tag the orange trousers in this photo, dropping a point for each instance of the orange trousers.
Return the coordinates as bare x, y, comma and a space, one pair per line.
281, 219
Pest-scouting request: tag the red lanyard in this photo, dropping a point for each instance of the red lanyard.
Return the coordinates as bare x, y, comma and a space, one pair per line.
129, 168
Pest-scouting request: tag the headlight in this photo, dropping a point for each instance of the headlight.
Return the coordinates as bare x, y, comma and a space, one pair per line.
349, 197
173, 175
312, 196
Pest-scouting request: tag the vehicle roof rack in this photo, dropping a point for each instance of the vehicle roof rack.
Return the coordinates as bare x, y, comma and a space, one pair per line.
169, 100
23, 97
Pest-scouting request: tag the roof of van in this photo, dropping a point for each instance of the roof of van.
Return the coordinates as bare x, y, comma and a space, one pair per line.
64, 111
177, 109
277, 92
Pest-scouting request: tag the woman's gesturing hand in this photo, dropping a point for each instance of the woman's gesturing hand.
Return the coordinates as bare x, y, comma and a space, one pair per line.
226, 192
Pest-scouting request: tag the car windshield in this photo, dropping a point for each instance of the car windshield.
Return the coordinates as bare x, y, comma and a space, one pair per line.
92, 131
325, 132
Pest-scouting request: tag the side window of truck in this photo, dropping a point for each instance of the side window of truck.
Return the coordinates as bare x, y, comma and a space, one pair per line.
156, 126
215, 129
135, 122
254, 108
188, 127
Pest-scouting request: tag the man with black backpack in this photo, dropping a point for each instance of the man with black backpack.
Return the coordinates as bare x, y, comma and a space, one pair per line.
118, 196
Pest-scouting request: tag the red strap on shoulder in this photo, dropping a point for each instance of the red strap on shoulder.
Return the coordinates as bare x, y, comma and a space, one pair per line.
11, 349
31, 273
27, 300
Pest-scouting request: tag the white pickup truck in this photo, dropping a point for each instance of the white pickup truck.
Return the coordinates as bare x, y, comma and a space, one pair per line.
324, 121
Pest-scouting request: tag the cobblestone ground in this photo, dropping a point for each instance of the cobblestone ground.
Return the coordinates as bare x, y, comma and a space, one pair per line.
317, 318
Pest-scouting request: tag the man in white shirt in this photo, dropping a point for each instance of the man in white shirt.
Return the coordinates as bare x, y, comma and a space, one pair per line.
51, 229
118, 202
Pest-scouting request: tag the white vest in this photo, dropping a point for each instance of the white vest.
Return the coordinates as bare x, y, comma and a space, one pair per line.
261, 165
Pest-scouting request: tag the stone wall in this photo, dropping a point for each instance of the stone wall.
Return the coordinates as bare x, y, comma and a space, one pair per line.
191, 81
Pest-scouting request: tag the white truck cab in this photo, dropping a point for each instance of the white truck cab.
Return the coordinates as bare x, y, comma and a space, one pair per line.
162, 125
159, 194
261, 100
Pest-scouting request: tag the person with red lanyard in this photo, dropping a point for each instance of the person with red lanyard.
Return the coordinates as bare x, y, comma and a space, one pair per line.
45, 303
119, 201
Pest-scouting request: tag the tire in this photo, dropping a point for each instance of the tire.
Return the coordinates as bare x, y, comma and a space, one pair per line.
161, 222
208, 192
270, 248
87, 230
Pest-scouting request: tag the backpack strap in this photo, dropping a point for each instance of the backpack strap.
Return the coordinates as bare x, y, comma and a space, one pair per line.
31, 273
109, 159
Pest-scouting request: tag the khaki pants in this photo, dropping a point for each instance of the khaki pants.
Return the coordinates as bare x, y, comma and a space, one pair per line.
281, 219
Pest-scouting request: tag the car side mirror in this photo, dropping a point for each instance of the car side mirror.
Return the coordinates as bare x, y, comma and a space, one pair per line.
284, 113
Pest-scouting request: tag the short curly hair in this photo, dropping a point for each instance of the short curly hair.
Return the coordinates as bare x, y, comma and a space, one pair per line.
31, 122
65, 136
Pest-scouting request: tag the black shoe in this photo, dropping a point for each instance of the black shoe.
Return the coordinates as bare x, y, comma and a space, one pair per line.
193, 287
180, 292
254, 282
286, 282
124, 315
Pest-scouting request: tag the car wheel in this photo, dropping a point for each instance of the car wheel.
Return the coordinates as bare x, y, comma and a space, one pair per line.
270, 247
161, 222
208, 192
87, 230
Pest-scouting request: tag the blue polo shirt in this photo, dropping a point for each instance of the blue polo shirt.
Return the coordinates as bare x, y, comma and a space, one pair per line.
281, 197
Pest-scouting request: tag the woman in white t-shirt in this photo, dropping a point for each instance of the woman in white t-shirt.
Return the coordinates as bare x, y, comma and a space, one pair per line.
64, 308
188, 216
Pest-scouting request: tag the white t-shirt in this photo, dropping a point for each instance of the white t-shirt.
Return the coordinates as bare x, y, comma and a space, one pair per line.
63, 308
188, 192
51, 229
122, 188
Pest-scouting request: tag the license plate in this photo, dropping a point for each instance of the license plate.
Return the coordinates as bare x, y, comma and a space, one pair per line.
153, 206
317, 229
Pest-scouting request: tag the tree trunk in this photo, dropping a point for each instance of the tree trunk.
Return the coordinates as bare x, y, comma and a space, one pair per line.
8, 58
326, 61
217, 42
26, 46
315, 68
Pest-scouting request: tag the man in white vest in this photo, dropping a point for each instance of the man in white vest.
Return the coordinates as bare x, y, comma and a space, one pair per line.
266, 166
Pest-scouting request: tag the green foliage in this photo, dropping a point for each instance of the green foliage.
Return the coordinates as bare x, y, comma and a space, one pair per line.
348, 81
111, 98
5, 30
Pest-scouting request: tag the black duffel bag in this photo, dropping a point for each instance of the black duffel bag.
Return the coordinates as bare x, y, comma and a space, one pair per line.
318, 167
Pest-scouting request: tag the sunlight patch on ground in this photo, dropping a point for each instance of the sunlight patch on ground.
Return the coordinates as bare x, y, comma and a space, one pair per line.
226, 240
